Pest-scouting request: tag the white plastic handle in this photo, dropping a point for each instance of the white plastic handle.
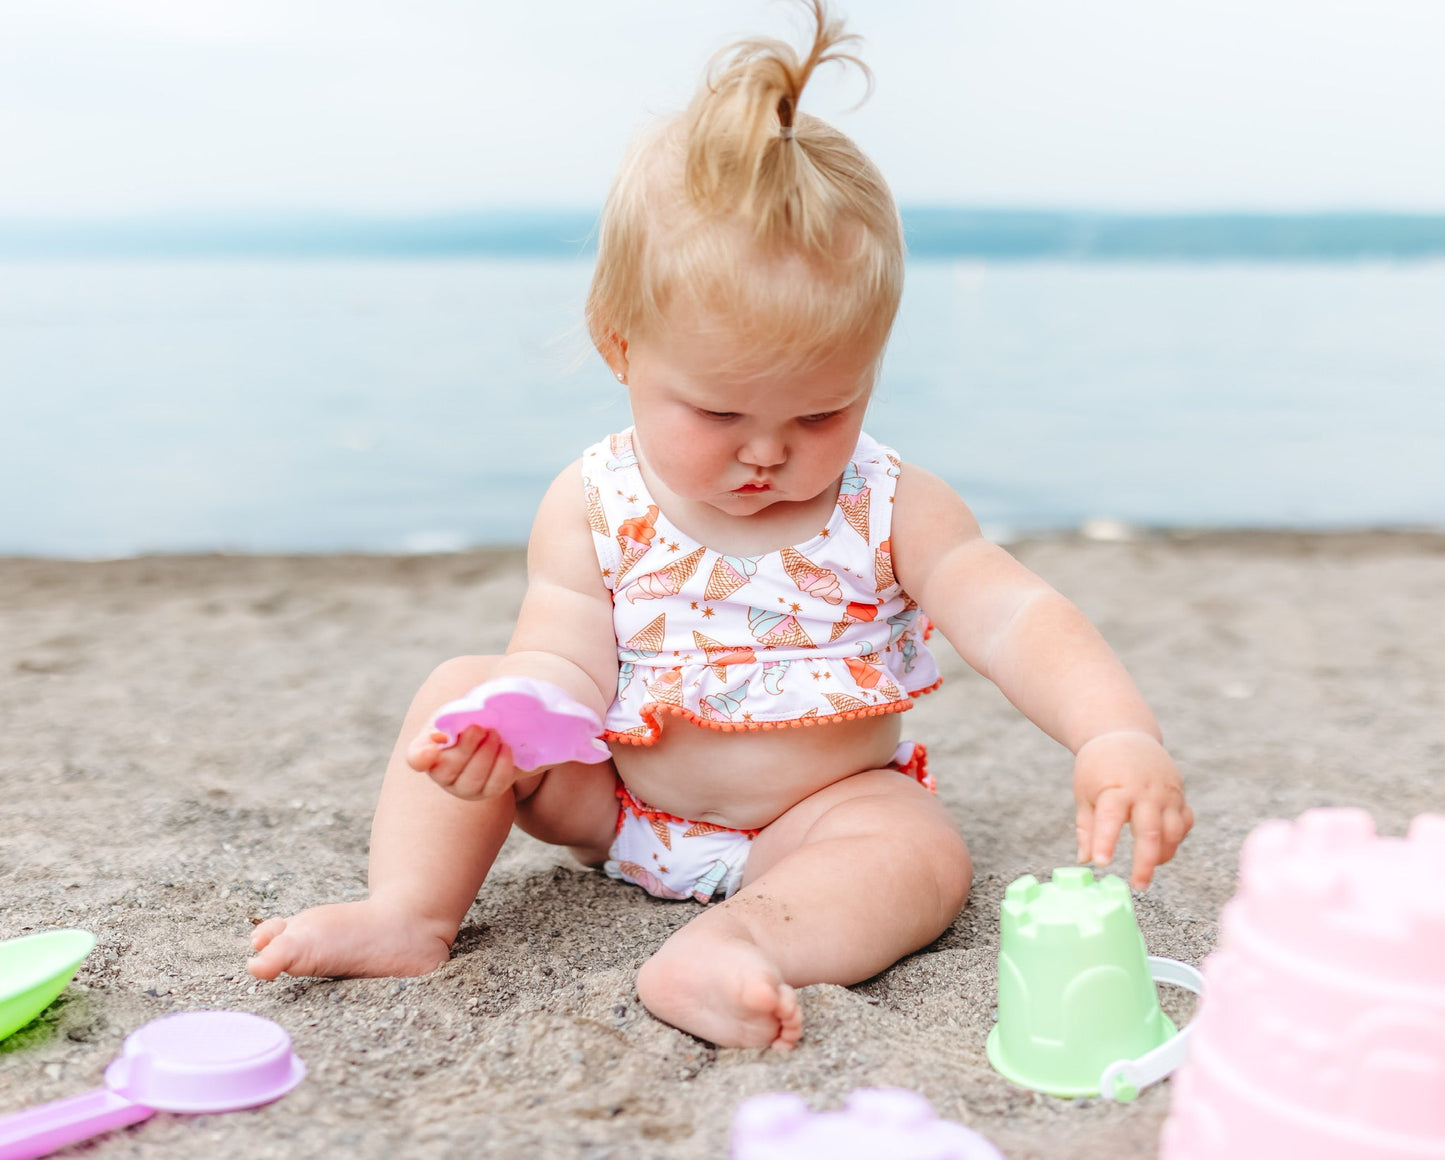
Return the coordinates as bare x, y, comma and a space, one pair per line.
1124, 1079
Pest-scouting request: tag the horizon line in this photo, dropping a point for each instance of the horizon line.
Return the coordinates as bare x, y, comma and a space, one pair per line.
930, 231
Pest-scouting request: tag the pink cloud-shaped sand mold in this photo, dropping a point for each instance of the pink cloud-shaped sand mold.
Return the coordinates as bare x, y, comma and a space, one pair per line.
540, 723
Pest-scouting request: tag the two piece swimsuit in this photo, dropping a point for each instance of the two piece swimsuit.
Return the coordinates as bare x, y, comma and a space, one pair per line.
812, 634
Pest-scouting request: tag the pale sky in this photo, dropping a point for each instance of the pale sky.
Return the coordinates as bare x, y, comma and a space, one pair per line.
122, 107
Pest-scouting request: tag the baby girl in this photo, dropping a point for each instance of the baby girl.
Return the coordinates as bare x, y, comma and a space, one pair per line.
741, 585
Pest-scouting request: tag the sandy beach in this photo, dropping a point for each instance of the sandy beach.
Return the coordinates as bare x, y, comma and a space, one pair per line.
191, 744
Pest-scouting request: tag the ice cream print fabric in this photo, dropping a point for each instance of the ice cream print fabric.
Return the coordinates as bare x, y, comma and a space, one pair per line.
817, 632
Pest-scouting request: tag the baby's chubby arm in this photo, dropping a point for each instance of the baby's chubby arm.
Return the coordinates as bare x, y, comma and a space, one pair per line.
1055, 667
563, 635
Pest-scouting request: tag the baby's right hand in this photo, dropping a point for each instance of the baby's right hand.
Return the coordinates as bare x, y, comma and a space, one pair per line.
478, 766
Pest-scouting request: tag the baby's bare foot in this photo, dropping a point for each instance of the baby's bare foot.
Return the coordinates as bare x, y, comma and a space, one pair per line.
722, 989
347, 938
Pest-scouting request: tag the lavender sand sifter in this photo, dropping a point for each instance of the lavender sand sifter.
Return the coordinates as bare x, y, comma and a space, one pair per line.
199, 1061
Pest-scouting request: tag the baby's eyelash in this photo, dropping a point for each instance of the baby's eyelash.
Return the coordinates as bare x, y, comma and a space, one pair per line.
821, 417
717, 414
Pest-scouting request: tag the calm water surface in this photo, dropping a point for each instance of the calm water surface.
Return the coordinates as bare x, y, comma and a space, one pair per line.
421, 405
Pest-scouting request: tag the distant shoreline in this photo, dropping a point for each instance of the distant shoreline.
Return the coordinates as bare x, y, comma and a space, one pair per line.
1260, 541
934, 233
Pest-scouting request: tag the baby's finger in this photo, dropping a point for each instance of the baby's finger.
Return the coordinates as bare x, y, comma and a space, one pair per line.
480, 768
1147, 826
1084, 829
1175, 827
450, 762
504, 772
1110, 813
424, 749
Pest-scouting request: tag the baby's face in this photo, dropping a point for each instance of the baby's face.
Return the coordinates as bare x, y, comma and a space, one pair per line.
742, 434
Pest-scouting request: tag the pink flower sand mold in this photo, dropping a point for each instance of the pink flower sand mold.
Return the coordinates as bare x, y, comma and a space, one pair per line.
1322, 1028
875, 1124
540, 723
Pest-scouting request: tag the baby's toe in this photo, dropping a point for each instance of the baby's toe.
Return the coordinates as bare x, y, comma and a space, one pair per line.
790, 1019
268, 930
268, 964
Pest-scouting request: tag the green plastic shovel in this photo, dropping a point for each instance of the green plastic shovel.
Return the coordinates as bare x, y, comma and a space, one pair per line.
34, 970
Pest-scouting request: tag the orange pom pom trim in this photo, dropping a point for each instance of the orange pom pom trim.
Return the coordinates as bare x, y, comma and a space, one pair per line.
653, 711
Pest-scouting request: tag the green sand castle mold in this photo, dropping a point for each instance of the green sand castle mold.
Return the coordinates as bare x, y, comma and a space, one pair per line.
1074, 985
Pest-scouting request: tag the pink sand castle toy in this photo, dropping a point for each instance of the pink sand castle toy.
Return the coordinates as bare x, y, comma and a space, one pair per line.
875, 1124
1321, 1033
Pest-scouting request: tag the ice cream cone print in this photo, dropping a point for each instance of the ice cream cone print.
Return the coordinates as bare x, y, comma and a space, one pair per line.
843, 703
853, 499
634, 537
723, 706
649, 881
777, 628
623, 454
678, 572
596, 517
641, 732
895, 465
856, 611
866, 676
632, 552
659, 827
720, 655
706, 885
667, 689
810, 578
909, 649
626, 670
667, 581
902, 624
702, 830
773, 676
729, 573
648, 642
883, 566
653, 586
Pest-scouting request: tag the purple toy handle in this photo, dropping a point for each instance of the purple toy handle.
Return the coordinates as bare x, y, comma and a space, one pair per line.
41, 1130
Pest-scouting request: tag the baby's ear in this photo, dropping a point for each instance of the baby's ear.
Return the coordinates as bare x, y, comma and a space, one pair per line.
613, 348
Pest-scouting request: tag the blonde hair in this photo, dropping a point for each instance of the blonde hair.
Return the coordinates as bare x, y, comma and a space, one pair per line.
767, 218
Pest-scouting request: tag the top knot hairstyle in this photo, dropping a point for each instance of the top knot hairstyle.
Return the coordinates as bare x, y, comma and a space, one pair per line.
760, 216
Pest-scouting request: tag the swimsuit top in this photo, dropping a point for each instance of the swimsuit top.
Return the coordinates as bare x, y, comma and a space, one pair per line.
814, 633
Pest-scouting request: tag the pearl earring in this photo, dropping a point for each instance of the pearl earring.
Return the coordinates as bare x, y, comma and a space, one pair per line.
621, 378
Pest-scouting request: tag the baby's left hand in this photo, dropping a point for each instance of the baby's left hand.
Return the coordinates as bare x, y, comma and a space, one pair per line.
1127, 776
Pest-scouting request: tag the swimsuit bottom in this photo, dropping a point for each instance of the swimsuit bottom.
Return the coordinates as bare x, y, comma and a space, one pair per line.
672, 857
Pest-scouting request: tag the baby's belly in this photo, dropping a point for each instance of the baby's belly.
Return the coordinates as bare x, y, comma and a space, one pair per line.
747, 780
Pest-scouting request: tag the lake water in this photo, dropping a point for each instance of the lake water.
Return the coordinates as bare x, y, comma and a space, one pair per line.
416, 405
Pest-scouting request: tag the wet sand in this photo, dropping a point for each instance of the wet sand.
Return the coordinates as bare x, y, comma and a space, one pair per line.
191, 744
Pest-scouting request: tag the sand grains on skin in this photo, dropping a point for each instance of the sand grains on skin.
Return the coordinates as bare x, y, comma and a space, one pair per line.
345, 939
726, 992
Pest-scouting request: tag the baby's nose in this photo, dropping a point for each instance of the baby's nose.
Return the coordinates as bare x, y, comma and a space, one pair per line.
764, 451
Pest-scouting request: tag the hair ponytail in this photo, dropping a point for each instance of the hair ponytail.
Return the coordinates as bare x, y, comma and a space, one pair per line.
750, 153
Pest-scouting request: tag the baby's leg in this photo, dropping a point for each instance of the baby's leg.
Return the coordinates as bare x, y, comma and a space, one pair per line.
840, 887
430, 852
